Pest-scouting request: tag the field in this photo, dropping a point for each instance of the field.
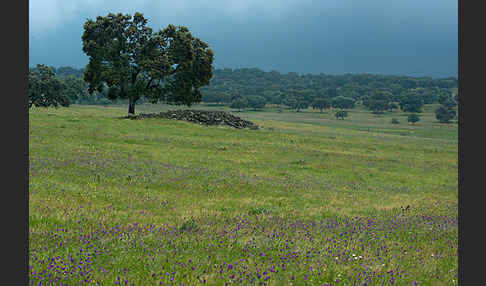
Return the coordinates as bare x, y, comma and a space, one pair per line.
305, 200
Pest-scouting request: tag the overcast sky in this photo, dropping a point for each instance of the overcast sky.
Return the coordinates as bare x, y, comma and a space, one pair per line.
400, 37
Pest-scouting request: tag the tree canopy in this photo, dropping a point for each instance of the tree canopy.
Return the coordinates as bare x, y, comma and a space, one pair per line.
296, 102
342, 102
446, 111
239, 103
321, 104
45, 89
378, 101
74, 88
341, 114
256, 102
411, 101
378, 93
134, 62
445, 114
413, 117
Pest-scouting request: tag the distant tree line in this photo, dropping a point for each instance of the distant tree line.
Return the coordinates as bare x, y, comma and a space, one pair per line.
253, 89
377, 92
243, 88
66, 82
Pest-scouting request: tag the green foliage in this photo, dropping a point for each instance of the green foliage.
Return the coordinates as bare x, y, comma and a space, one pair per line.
445, 114
331, 92
189, 226
301, 104
290, 101
378, 101
392, 106
449, 102
296, 101
376, 106
341, 114
216, 96
394, 121
429, 95
74, 88
321, 104
258, 211
412, 118
66, 71
134, 62
411, 101
342, 102
273, 96
275, 87
239, 103
256, 102
446, 111
445, 97
45, 89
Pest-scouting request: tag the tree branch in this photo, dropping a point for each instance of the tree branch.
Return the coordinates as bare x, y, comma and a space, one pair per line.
148, 84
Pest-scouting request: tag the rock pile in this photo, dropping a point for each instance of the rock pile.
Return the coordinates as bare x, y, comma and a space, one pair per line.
201, 117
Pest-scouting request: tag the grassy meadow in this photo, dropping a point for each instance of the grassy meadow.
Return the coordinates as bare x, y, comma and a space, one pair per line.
305, 200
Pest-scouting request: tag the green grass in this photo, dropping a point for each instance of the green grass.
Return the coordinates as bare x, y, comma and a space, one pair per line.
140, 197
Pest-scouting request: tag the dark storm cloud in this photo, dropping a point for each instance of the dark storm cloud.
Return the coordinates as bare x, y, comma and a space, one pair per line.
375, 36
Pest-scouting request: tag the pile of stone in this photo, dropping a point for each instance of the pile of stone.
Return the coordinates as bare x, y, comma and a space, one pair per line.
201, 117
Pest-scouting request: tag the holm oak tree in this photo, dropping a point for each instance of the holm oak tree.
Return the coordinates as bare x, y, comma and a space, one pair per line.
45, 89
134, 62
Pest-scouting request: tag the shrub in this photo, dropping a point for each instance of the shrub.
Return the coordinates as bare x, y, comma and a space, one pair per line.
445, 114
258, 210
189, 226
341, 114
413, 118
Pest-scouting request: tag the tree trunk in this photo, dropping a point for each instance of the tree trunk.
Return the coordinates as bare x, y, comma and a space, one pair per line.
131, 106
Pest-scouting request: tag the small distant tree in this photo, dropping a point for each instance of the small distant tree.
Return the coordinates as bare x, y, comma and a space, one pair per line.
212, 96
446, 111
321, 104
413, 118
392, 106
445, 96
341, 114
378, 101
289, 101
45, 89
302, 103
394, 121
342, 102
225, 98
256, 102
276, 99
449, 102
296, 103
239, 103
376, 106
411, 101
445, 114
